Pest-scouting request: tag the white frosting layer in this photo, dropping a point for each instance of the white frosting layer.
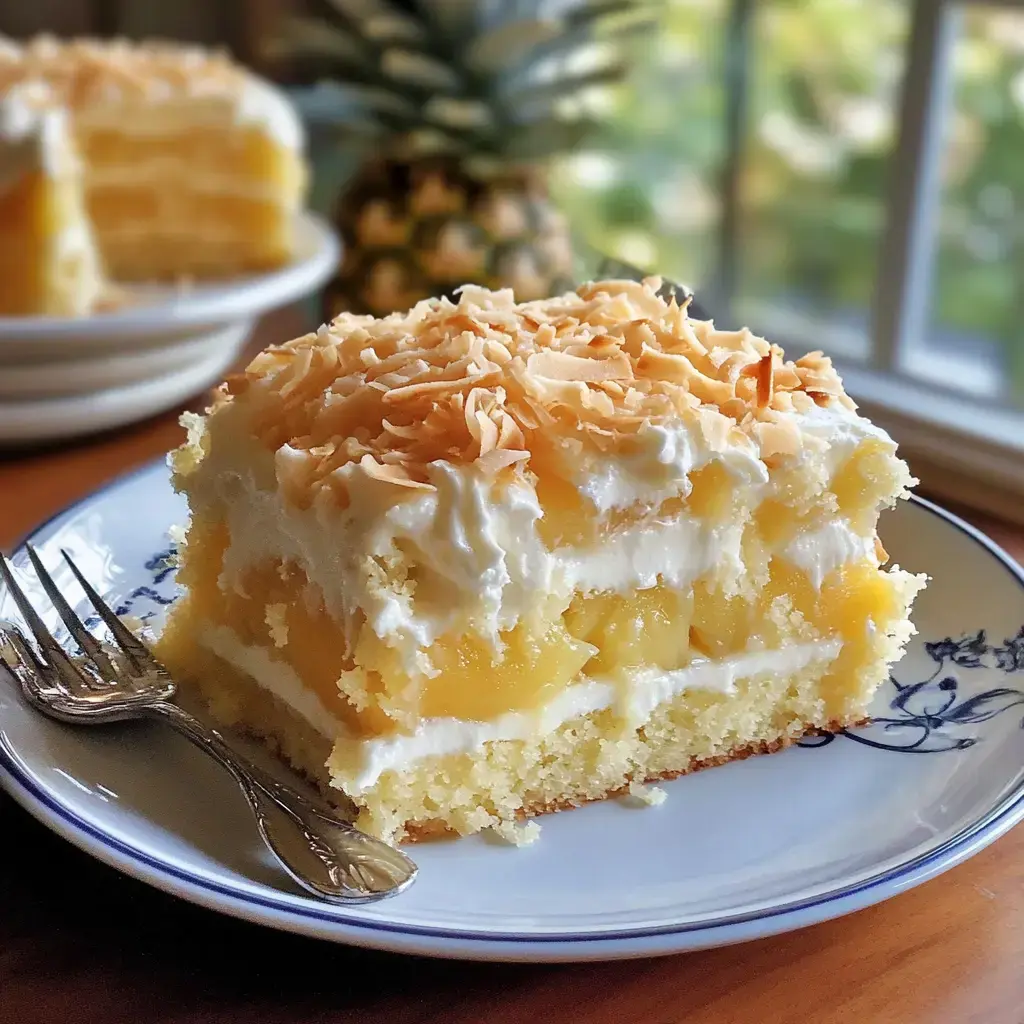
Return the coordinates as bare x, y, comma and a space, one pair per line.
679, 550
635, 701
822, 551
840, 430
273, 675
266, 107
476, 559
257, 104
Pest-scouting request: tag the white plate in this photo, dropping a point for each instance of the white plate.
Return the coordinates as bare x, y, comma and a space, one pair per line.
32, 382
166, 313
739, 852
46, 419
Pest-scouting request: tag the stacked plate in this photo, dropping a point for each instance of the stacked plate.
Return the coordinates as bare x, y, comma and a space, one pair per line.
63, 377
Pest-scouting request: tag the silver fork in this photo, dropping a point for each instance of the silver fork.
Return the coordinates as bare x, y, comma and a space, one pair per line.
322, 852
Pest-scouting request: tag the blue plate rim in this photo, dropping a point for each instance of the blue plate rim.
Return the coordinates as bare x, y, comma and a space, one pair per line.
971, 839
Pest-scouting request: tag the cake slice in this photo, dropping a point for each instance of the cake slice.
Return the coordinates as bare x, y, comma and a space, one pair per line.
475, 562
49, 263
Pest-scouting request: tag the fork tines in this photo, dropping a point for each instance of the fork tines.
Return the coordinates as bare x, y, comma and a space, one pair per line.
99, 663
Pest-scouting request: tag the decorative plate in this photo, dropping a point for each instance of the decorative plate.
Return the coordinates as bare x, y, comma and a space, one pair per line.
739, 852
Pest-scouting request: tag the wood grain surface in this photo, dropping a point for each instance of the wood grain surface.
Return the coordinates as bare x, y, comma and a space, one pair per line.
79, 942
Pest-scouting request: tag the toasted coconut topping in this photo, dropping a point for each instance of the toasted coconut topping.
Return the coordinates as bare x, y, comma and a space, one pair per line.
490, 382
82, 71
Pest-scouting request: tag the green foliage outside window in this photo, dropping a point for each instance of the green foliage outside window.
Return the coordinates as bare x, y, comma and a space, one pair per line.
824, 81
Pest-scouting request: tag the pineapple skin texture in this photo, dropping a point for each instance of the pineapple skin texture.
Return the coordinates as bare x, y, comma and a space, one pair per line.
420, 228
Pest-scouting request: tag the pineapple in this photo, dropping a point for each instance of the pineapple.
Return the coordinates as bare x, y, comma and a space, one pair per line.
456, 105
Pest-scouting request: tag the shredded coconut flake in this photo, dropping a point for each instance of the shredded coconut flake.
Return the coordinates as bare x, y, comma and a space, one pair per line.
277, 623
518, 833
487, 381
649, 796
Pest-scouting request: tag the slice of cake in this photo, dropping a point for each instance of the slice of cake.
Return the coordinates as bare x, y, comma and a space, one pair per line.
475, 562
187, 165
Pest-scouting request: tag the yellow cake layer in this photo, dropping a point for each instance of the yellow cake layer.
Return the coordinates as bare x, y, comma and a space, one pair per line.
198, 202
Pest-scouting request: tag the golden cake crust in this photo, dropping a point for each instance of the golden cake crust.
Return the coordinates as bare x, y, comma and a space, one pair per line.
418, 832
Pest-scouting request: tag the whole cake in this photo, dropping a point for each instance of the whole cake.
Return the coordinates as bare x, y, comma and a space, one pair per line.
474, 562
137, 162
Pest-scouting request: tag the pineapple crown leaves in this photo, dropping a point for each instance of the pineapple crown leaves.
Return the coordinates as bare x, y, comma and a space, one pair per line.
495, 79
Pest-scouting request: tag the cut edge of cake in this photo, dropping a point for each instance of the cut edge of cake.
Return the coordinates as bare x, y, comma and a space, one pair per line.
599, 433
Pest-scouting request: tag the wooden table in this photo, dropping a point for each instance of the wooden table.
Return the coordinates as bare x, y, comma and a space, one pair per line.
81, 943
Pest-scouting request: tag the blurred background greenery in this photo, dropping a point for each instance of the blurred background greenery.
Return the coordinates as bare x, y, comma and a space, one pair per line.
822, 81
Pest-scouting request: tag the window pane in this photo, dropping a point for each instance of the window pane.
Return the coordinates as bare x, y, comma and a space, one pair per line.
975, 339
645, 191
825, 85
822, 77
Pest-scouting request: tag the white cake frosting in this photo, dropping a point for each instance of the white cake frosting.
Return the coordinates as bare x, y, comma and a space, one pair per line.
33, 138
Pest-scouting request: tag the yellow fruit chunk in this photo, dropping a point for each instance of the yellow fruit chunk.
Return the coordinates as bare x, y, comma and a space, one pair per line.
712, 494
650, 627
862, 483
534, 667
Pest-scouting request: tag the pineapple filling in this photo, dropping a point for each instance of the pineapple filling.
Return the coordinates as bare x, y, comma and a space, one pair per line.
366, 684
569, 522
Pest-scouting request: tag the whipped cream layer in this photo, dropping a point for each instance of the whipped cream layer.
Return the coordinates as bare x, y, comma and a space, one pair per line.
656, 466
634, 699
478, 558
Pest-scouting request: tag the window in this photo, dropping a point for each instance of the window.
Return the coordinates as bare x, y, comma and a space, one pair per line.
845, 175
976, 305
817, 150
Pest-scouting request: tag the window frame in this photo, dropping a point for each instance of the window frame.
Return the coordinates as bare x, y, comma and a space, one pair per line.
963, 448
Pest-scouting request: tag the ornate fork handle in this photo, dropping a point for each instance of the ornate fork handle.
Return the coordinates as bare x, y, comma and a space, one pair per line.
336, 859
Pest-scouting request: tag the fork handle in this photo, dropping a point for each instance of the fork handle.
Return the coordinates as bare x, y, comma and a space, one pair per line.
325, 855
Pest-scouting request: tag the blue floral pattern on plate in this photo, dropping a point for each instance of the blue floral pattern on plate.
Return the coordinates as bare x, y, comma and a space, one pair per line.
928, 715
161, 568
